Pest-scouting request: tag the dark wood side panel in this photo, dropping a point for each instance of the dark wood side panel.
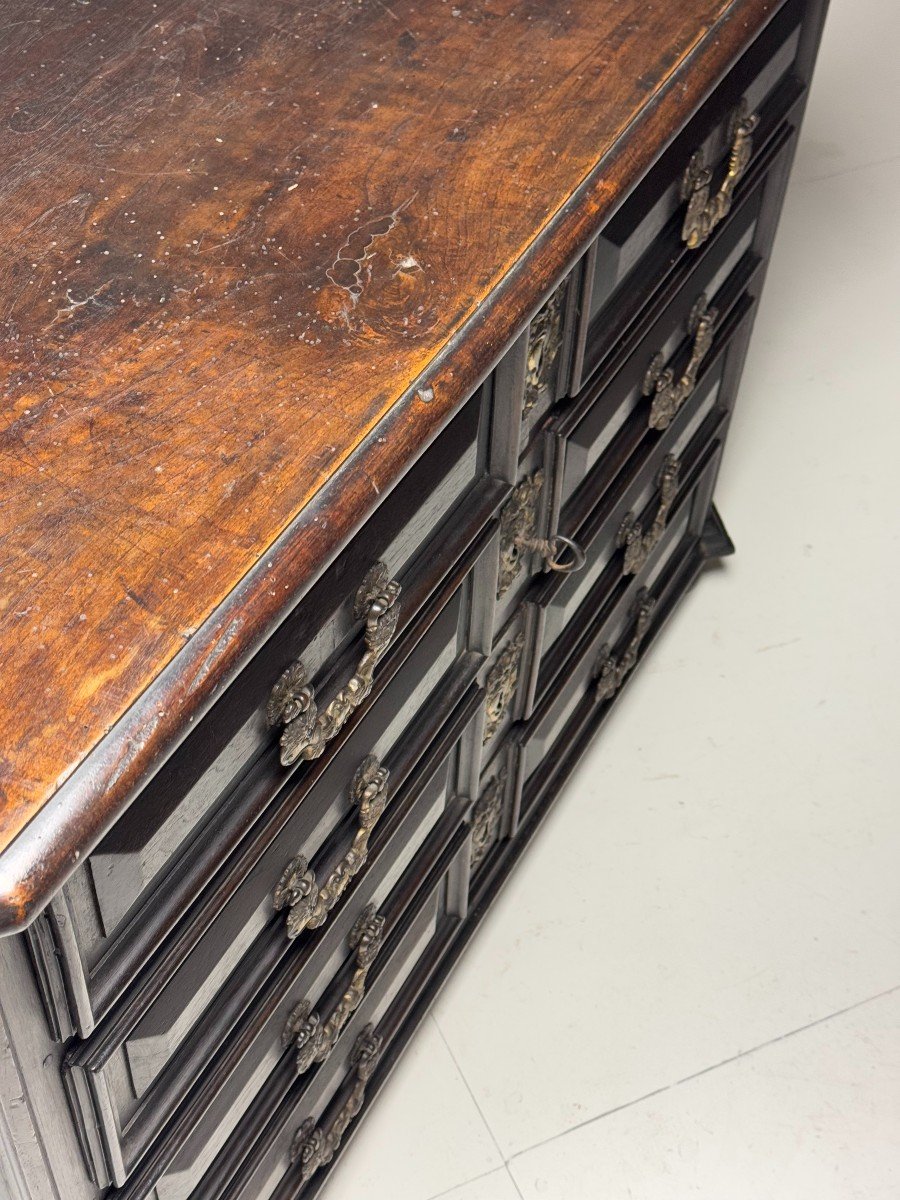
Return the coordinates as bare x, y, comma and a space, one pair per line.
38, 1142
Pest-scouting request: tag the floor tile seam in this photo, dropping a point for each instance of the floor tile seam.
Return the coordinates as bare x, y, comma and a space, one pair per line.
469, 1089
704, 1071
473, 1179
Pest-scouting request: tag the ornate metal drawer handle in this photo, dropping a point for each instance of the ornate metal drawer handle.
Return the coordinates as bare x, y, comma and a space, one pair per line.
518, 536
638, 544
609, 672
308, 902
292, 702
544, 343
668, 392
500, 685
314, 1147
314, 1038
705, 212
487, 819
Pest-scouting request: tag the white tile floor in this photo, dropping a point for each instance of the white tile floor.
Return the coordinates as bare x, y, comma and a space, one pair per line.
691, 985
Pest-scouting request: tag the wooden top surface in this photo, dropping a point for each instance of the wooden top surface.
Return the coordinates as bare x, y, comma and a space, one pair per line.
237, 237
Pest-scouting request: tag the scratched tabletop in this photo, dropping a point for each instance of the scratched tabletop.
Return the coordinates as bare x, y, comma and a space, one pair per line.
243, 242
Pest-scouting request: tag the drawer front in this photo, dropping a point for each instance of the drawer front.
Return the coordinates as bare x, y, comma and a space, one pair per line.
613, 643
691, 189
295, 1019
633, 513
310, 847
353, 628
295, 1145
644, 388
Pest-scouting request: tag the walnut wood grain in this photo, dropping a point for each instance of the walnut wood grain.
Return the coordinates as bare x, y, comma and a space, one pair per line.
238, 238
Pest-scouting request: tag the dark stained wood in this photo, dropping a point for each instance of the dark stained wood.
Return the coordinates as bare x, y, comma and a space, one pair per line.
238, 238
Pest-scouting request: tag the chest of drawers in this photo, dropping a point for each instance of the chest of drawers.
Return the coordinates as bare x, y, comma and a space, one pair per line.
367, 377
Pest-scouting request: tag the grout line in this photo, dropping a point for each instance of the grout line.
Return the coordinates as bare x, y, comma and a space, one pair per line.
705, 1071
469, 1090
474, 1179
876, 162
513, 1181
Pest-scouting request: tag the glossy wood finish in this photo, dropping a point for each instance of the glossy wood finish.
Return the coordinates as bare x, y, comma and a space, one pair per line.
256, 264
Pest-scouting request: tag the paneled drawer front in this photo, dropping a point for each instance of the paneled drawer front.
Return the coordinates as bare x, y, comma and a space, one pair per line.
640, 391
281, 886
352, 629
633, 513
644, 388
613, 641
296, 1139
294, 1019
691, 189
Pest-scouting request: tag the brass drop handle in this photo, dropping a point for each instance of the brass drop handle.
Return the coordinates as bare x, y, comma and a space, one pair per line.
487, 819
314, 1147
308, 902
668, 392
705, 211
518, 536
637, 544
292, 703
610, 672
544, 344
314, 1038
501, 684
